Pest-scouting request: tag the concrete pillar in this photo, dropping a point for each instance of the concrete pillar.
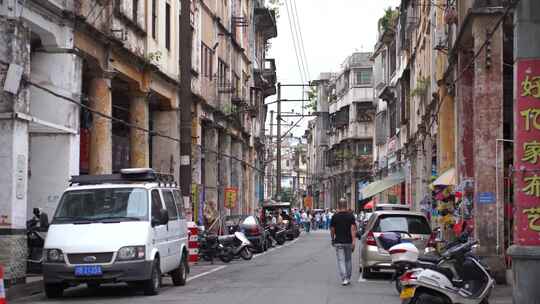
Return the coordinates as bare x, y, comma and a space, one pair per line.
225, 169
13, 153
99, 94
165, 152
488, 127
465, 114
446, 131
525, 252
210, 181
236, 173
138, 116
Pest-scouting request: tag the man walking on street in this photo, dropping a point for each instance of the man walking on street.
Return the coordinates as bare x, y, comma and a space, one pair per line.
343, 231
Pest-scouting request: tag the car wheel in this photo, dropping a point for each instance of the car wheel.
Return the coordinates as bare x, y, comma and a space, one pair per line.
152, 285
53, 291
179, 275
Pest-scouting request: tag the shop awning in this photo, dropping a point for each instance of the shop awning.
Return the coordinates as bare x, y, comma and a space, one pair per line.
383, 184
446, 179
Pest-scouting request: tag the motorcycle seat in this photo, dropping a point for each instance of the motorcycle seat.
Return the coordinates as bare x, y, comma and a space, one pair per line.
429, 259
226, 238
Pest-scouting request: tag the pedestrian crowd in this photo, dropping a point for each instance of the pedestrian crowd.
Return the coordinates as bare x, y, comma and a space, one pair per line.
313, 219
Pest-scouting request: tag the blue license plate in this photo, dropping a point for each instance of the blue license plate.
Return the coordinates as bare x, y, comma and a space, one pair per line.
88, 271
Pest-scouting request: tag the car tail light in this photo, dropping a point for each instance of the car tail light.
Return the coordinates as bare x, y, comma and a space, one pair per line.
397, 251
407, 276
370, 239
431, 241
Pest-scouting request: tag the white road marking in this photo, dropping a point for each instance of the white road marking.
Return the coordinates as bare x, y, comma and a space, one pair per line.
206, 273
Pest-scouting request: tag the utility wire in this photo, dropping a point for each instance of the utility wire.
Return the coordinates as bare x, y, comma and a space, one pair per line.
299, 28
130, 125
293, 36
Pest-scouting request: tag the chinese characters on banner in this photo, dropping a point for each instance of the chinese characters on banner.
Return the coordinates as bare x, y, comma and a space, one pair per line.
527, 153
231, 196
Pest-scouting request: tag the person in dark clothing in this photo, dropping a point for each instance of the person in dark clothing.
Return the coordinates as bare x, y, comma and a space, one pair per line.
343, 231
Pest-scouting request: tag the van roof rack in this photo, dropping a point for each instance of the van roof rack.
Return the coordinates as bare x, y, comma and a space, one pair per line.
130, 175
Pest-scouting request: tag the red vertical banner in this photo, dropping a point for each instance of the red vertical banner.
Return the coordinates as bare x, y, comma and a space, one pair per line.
527, 153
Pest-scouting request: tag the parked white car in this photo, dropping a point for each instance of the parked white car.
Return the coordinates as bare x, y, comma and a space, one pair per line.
126, 227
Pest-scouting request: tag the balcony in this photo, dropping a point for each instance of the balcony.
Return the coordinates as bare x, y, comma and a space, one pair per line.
354, 94
265, 22
266, 78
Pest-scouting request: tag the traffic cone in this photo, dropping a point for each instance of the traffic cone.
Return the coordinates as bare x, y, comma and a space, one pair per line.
2, 289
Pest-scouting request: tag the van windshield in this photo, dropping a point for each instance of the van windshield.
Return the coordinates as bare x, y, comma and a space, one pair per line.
94, 205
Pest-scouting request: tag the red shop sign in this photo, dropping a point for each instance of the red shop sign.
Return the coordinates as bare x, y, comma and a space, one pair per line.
527, 153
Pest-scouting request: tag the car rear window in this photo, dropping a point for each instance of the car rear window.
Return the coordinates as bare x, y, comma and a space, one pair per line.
413, 224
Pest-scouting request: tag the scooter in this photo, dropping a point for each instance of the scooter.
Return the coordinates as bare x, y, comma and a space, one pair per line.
460, 277
36, 230
237, 245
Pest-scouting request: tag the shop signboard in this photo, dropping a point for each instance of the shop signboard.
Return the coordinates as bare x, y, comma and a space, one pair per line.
486, 197
231, 197
527, 153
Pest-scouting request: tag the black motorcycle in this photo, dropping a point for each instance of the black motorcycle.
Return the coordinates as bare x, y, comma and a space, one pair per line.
36, 228
276, 234
210, 248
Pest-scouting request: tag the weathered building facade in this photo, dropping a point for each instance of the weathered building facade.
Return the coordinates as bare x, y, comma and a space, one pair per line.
92, 87
342, 133
444, 116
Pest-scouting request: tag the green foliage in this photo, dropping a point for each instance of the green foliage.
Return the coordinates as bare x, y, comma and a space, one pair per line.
389, 19
275, 6
312, 97
422, 85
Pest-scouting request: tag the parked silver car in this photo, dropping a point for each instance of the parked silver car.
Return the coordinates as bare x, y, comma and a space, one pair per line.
413, 226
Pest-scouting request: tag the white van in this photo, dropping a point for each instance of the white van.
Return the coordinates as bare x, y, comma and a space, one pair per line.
126, 227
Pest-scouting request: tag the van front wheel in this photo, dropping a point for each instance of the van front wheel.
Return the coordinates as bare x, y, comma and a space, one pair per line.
152, 285
179, 275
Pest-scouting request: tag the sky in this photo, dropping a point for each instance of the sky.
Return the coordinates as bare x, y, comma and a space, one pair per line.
331, 31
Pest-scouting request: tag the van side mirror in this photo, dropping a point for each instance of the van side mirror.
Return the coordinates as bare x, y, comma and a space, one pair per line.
43, 221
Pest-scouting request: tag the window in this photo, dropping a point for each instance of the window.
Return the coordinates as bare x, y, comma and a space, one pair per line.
363, 77
135, 13
103, 204
222, 72
179, 203
410, 224
170, 204
154, 18
157, 205
168, 26
364, 148
207, 56
236, 84
364, 112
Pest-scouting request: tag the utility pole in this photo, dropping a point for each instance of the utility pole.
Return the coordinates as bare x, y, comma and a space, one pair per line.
278, 148
271, 155
186, 34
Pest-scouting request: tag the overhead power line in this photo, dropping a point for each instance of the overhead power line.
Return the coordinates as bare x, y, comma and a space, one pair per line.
293, 37
130, 125
303, 48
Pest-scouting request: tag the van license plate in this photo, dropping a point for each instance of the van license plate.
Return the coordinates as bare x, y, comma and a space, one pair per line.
88, 271
407, 293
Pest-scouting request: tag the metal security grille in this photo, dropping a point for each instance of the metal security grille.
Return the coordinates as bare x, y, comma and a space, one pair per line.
87, 258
